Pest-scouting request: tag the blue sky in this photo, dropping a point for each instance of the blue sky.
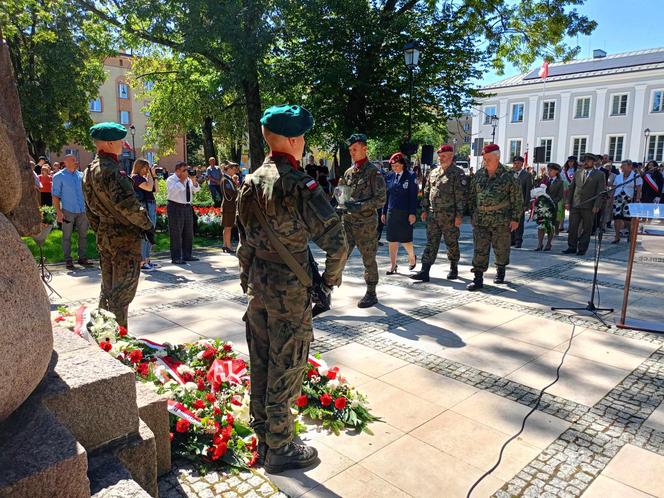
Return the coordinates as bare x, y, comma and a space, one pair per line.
622, 26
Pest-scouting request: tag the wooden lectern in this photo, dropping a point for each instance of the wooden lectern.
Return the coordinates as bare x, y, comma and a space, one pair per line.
638, 213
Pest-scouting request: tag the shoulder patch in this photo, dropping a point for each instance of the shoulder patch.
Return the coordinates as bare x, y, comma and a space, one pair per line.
311, 184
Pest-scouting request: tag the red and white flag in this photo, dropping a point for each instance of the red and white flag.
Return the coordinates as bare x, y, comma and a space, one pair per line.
544, 70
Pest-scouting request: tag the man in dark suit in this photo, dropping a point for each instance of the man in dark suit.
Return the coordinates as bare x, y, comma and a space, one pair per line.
585, 200
525, 181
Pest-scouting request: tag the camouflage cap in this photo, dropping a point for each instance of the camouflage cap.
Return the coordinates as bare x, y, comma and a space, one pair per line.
287, 120
108, 131
357, 137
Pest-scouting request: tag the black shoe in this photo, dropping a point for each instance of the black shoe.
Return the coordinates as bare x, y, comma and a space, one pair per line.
392, 270
518, 245
477, 283
69, 264
193, 258
569, 250
500, 275
453, 274
291, 456
423, 274
261, 449
581, 253
370, 299
539, 248
412, 267
177, 261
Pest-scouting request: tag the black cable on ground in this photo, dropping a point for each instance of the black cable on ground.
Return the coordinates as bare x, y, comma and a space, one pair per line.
523, 423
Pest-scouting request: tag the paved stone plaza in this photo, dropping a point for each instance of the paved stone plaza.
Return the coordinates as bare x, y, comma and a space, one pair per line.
452, 374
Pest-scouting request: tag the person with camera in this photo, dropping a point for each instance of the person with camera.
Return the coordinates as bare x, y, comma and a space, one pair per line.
118, 219
180, 189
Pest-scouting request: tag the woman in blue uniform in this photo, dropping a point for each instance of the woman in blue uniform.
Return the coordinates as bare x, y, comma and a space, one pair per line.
400, 210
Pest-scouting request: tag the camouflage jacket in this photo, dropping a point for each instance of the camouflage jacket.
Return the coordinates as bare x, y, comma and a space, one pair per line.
445, 191
110, 201
297, 210
495, 200
367, 186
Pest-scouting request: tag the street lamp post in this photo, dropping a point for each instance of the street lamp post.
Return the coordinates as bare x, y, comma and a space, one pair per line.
494, 123
132, 129
411, 55
646, 134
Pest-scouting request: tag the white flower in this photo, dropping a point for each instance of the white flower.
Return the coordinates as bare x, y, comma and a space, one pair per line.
355, 403
323, 370
190, 386
171, 384
204, 343
333, 384
315, 379
200, 355
184, 369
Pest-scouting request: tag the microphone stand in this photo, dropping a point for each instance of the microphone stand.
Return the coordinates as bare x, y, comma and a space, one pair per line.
590, 307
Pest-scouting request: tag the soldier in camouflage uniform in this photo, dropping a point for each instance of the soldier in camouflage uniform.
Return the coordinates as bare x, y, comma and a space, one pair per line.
496, 204
281, 209
118, 219
443, 203
367, 194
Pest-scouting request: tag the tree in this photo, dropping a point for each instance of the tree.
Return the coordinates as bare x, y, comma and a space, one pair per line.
343, 59
57, 53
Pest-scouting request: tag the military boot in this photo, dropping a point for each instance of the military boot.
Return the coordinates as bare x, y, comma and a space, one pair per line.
261, 449
477, 283
369, 298
291, 456
454, 271
500, 275
423, 274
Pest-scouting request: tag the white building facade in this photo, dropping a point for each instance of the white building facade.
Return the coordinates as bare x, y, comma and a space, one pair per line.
604, 105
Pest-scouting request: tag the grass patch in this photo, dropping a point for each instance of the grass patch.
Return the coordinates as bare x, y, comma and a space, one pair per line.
53, 245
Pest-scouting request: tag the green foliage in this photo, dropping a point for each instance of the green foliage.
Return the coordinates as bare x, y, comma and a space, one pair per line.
57, 52
47, 214
463, 150
161, 195
203, 197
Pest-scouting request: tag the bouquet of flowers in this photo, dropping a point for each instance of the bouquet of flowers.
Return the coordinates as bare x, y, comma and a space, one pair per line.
326, 396
543, 209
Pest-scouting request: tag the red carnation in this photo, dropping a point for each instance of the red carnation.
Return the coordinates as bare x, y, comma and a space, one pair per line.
187, 377
229, 419
200, 384
217, 410
228, 348
136, 356
326, 400
312, 372
122, 331
302, 401
254, 458
332, 373
182, 425
340, 403
253, 444
199, 404
227, 432
219, 451
210, 397
209, 353
106, 346
143, 369
59, 318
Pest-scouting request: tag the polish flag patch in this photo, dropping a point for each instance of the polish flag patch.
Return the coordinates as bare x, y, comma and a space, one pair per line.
311, 184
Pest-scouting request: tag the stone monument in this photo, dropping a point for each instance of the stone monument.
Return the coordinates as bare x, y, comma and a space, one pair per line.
72, 421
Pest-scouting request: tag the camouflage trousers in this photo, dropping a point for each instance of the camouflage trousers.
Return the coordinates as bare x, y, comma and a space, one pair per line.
279, 332
363, 234
441, 225
485, 238
120, 261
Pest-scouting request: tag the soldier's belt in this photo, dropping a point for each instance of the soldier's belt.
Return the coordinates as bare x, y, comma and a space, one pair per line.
274, 257
496, 207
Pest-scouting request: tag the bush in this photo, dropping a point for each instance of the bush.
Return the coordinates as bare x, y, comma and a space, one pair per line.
202, 198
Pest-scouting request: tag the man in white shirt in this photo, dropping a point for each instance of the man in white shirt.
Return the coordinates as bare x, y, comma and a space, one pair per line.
181, 187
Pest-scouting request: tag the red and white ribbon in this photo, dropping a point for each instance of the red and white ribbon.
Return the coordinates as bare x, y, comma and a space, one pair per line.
171, 368
181, 411
152, 345
651, 182
230, 371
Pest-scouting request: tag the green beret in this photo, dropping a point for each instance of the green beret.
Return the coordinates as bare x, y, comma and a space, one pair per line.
357, 137
287, 120
108, 132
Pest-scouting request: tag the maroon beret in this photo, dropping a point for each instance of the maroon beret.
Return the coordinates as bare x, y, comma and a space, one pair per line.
397, 157
444, 148
490, 148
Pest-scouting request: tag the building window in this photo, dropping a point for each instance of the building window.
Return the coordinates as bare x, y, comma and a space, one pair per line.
619, 104
73, 152
547, 143
616, 144
149, 157
95, 105
579, 145
517, 113
466, 139
655, 148
123, 90
515, 148
488, 112
466, 127
582, 107
125, 117
657, 101
549, 110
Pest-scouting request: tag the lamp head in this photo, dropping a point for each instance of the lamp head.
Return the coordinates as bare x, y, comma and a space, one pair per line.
411, 55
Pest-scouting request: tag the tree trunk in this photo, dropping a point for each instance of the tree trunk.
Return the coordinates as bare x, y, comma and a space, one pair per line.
253, 102
208, 140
